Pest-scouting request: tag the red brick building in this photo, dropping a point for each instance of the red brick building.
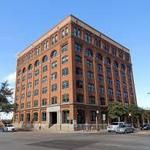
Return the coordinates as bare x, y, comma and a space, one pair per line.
69, 73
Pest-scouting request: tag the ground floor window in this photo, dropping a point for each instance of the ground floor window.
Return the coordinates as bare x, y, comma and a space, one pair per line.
22, 117
93, 115
80, 117
65, 116
43, 116
35, 116
28, 117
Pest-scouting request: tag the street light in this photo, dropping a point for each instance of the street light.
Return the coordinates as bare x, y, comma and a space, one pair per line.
97, 112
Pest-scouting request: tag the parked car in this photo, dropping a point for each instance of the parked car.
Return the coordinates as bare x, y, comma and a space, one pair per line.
113, 127
125, 128
9, 128
1, 129
145, 127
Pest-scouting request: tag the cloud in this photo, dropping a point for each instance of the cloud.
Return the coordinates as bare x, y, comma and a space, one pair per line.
11, 78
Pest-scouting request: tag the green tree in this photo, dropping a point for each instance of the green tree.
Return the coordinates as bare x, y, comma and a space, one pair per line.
6, 93
116, 110
146, 116
135, 113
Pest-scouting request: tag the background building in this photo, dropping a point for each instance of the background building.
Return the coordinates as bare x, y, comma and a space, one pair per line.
68, 74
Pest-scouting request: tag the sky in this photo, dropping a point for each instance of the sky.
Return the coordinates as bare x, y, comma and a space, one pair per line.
126, 21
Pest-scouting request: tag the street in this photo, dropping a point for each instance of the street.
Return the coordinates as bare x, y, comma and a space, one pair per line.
73, 141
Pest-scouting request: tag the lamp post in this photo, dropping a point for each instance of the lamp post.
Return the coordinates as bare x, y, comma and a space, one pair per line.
97, 112
130, 115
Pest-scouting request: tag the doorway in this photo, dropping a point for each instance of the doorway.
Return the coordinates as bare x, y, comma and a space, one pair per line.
53, 117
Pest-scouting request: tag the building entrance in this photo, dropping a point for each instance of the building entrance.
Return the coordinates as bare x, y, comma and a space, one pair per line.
53, 117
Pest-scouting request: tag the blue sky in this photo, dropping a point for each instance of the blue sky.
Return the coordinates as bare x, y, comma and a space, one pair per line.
128, 22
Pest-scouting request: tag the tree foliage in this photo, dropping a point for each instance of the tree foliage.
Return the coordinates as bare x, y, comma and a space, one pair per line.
6, 93
116, 110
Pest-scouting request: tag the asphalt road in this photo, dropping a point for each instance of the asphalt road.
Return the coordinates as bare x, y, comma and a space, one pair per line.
70, 141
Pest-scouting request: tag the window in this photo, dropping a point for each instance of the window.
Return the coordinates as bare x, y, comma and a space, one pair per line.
110, 82
89, 63
28, 104
45, 45
35, 116
102, 91
123, 67
107, 61
36, 92
93, 115
90, 75
105, 46
44, 102
116, 65
35, 104
114, 50
78, 71
108, 71
77, 32
79, 84
99, 57
43, 116
100, 68
28, 117
29, 85
22, 117
78, 58
54, 53
54, 100
65, 71
36, 82
54, 87
89, 53
44, 68
36, 72
54, 39
65, 98
45, 59
64, 59
78, 47
65, 32
37, 51
91, 99
110, 92
54, 76
44, 79
22, 106
30, 67
118, 93
37, 63
101, 79
24, 70
64, 48
29, 75
65, 116
88, 38
44, 90
80, 98
91, 87
54, 64
102, 101
29, 94
65, 84
118, 85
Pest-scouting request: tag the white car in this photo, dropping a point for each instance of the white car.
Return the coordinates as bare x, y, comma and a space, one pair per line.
9, 128
113, 127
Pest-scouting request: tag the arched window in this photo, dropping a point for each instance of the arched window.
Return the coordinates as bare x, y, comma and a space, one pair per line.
24, 70
37, 63
99, 56
108, 61
116, 65
30, 67
89, 53
45, 59
53, 53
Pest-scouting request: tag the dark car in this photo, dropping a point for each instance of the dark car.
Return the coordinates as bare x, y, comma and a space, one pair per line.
145, 127
126, 128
